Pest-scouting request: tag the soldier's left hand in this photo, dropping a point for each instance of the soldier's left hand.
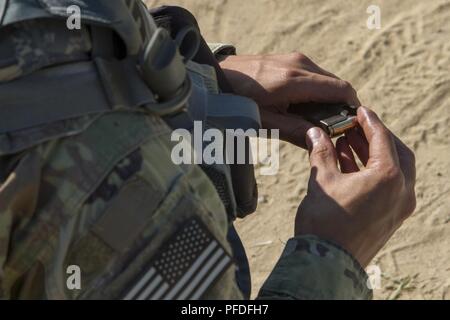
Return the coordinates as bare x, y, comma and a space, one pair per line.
277, 81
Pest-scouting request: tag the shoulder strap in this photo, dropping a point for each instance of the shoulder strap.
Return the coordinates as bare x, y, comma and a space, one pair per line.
71, 91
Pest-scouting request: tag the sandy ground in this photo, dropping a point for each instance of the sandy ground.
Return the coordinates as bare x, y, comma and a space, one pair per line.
402, 71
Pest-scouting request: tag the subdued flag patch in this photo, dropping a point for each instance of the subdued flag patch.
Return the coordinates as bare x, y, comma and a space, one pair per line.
188, 264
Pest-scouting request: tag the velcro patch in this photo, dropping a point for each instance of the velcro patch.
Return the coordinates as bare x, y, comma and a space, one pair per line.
187, 265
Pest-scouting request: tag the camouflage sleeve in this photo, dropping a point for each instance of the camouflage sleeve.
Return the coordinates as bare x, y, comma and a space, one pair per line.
311, 268
221, 50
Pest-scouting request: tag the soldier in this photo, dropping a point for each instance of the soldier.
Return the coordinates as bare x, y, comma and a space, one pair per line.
87, 178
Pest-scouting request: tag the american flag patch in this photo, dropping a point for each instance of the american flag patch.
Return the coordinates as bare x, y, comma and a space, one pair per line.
189, 263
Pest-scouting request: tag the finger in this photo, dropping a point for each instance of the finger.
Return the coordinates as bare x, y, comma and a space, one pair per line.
322, 154
319, 88
315, 68
354, 101
292, 128
345, 156
359, 144
407, 162
324, 72
382, 150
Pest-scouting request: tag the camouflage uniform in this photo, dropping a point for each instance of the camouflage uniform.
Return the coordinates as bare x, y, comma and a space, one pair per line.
101, 192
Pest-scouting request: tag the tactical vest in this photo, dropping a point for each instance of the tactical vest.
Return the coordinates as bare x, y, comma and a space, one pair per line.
134, 65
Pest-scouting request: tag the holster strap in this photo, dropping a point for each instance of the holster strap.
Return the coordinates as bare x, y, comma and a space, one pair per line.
71, 91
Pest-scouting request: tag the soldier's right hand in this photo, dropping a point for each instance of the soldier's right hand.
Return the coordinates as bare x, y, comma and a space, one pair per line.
358, 209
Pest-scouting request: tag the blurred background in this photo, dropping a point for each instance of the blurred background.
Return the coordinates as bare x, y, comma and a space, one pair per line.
402, 71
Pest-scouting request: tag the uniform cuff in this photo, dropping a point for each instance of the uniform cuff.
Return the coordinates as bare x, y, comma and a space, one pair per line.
311, 268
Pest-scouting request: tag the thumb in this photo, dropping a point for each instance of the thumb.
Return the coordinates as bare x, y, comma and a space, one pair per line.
322, 153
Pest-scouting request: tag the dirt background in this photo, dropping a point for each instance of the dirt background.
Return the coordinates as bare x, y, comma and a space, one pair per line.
402, 71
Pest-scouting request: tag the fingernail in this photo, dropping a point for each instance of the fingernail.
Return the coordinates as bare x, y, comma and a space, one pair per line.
314, 135
364, 110
369, 115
